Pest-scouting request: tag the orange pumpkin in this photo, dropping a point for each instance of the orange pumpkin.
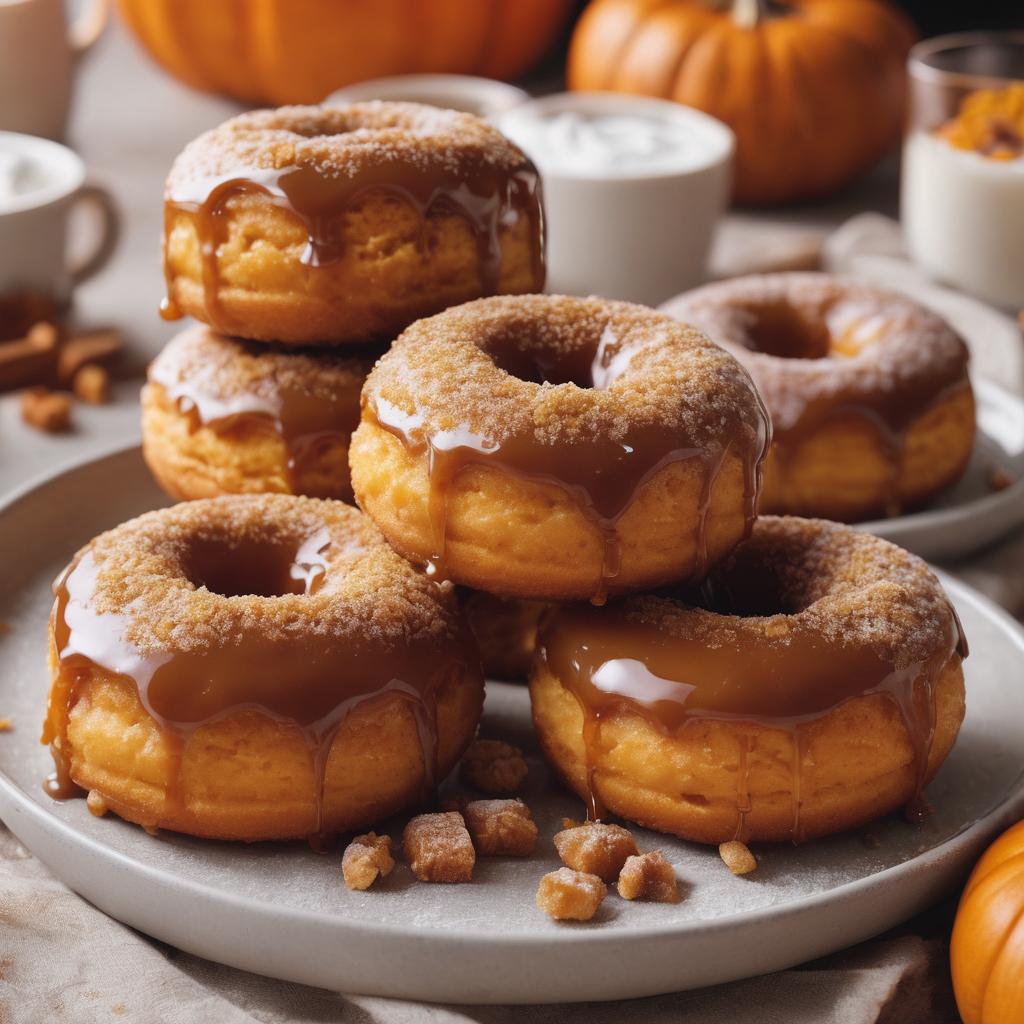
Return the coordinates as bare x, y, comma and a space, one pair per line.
815, 90
298, 51
987, 950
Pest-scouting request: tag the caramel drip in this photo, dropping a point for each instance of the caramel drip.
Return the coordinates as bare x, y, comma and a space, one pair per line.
610, 663
488, 197
306, 423
602, 475
311, 683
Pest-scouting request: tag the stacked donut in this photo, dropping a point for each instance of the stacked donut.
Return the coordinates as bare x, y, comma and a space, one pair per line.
273, 666
305, 239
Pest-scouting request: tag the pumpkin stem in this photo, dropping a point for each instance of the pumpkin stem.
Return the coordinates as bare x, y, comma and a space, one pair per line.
747, 13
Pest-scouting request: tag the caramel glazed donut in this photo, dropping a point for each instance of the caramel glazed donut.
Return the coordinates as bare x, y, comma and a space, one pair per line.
342, 224
814, 684
549, 447
872, 409
255, 667
225, 416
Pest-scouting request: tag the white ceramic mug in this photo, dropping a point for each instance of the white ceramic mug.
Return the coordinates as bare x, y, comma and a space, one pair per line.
630, 214
38, 52
41, 182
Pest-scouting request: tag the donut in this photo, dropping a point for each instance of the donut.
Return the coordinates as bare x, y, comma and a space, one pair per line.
506, 632
225, 416
555, 448
871, 406
255, 667
812, 684
345, 224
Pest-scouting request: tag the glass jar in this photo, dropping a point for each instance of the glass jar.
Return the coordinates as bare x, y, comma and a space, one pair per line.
962, 191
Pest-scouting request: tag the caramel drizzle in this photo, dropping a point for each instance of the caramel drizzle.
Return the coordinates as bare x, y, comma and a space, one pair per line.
491, 199
611, 663
306, 423
602, 476
312, 687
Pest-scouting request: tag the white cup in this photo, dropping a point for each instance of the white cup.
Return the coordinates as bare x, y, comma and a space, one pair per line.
635, 222
484, 97
41, 182
38, 52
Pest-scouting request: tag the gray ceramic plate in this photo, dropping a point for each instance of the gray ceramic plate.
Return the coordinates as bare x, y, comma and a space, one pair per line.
282, 910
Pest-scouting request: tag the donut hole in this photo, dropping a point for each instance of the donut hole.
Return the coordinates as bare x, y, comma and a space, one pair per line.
752, 587
784, 330
251, 568
540, 362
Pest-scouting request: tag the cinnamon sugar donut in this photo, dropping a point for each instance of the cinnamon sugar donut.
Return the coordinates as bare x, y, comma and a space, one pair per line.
548, 447
872, 409
255, 667
225, 416
814, 684
342, 224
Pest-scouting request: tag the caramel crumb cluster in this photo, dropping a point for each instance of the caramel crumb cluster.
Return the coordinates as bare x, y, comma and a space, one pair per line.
501, 828
596, 849
6, 725
738, 858
443, 847
649, 876
494, 767
568, 895
366, 859
439, 848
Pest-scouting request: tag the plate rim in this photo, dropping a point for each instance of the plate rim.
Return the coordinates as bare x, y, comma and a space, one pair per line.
65, 832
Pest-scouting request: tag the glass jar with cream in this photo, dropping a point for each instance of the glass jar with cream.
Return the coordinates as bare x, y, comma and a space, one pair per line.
962, 195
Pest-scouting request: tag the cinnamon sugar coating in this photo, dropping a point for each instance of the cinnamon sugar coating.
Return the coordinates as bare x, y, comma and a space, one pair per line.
443, 370
222, 370
848, 587
343, 141
366, 591
865, 346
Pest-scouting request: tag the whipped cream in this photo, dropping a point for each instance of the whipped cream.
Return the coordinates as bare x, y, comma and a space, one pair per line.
609, 145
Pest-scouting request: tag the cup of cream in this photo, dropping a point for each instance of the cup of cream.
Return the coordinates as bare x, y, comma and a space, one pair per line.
41, 182
633, 189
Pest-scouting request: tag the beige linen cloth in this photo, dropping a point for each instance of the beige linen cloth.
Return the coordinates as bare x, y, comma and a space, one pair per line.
63, 960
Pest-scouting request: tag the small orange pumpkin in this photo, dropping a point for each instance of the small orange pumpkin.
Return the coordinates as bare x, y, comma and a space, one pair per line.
815, 90
298, 51
987, 949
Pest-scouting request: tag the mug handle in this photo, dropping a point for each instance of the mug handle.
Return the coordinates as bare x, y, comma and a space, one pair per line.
101, 200
88, 26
